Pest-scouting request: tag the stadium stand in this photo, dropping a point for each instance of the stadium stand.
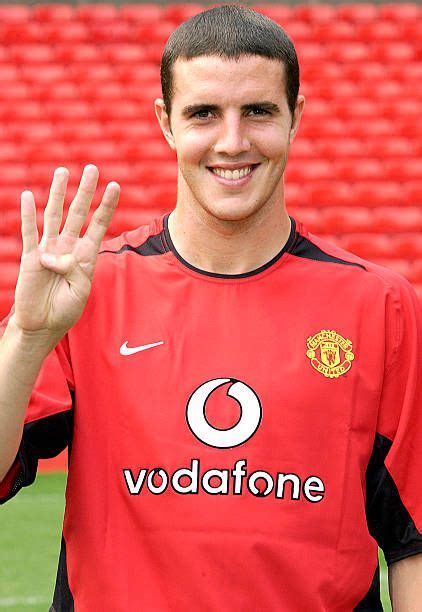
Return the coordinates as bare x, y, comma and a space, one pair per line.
77, 85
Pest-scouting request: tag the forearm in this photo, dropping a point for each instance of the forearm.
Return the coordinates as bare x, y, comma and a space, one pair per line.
21, 358
405, 581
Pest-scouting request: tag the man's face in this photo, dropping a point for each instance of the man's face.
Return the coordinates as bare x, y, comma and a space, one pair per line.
231, 129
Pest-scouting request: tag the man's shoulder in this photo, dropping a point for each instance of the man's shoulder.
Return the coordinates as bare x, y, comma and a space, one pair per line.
132, 240
367, 272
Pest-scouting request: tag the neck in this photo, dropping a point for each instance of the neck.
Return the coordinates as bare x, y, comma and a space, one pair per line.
229, 247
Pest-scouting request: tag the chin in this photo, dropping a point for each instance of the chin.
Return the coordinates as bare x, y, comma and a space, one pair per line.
230, 211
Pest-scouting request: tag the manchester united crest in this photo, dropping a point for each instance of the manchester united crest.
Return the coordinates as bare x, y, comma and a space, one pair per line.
329, 353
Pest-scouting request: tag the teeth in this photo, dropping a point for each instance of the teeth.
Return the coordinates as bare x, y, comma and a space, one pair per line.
232, 175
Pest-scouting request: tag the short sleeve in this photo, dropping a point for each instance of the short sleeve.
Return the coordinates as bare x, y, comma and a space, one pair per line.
394, 491
49, 419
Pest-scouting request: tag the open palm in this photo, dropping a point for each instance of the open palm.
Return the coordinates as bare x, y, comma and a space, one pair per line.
56, 273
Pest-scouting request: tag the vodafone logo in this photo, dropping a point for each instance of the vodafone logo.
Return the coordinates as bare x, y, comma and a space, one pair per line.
250, 418
236, 479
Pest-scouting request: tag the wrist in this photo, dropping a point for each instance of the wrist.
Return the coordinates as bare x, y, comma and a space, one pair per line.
34, 342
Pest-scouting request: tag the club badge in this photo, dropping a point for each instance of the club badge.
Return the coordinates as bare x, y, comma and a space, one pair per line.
329, 353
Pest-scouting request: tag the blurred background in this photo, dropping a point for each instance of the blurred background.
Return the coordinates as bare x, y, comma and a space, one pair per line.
77, 84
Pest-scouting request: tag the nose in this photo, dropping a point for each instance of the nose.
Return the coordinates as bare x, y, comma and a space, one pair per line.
232, 137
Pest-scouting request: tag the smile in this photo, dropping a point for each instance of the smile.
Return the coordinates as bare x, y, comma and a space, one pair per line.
234, 176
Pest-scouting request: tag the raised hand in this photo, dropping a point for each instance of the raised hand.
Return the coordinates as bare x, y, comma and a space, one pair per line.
56, 273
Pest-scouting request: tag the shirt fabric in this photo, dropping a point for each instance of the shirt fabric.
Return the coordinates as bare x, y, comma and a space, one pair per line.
252, 458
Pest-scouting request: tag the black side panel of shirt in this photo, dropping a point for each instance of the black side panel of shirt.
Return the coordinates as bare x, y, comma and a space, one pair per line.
371, 602
41, 439
389, 522
63, 598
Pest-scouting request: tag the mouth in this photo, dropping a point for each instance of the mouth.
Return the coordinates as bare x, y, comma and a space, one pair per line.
235, 177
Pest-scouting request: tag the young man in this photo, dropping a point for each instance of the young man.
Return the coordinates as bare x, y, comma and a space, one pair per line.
239, 397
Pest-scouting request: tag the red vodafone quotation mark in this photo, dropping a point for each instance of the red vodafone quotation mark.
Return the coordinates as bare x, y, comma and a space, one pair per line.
250, 418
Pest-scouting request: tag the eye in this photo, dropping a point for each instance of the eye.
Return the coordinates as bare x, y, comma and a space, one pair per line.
258, 111
201, 114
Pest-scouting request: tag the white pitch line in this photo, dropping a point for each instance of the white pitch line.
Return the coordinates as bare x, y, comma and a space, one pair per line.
31, 600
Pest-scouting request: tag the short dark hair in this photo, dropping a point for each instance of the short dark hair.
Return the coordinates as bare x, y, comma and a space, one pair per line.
230, 31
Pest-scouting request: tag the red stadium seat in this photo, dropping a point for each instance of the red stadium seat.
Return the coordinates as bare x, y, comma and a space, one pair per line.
402, 11
32, 54
6, 301
10, 249
74, 32
415, 271
407, 245
141, 13
60, 13
386, 148
132, 53
9, 199
412, 191
324, 31
95, 152
397, 219
158, 34
58, 110
81, 52
15, 173
300, 31
401, 266
310, 217
330, 193
368, 246
15, 14
132, 130
378, 31
95, 13
315, 13
358, 12
60, 91
114, 92
281, 13
15, 91
40, 131
10, 152
339, 148
394, 51
99, 72
45, 73
364, 168
181, 12
378, 193
404, 169
300, 170
359, 108
121, 32
339, 220
154, 150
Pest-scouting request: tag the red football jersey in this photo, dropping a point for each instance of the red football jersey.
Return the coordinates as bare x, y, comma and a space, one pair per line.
237, 442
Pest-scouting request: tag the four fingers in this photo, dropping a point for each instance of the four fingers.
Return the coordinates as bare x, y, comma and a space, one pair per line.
78, 211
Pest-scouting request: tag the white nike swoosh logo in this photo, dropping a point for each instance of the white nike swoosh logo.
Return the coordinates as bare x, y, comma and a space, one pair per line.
126, 350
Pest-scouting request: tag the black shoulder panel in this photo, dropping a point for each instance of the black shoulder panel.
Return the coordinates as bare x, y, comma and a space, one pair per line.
155, 245
63, 598
371, 602
389, 522
307, 249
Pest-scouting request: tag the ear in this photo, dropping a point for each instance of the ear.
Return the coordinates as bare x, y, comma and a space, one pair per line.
300, 105
164, 121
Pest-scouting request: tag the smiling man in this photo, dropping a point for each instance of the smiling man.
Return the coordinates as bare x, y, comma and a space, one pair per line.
241, 400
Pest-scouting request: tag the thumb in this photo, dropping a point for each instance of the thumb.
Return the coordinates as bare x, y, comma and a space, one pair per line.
65, 265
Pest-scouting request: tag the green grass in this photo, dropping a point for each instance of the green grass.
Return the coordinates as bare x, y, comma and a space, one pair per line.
30, 532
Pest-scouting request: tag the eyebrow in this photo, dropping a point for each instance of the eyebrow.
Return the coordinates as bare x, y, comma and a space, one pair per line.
194, 108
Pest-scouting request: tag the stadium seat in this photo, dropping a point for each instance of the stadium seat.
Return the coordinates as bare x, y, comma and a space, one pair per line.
378, 193
6, 301
324, 31
368, 246
31, 54
410, 11
95, 152
415, 271
126, 54
397, 219
316, 169
412, 192
158, 34
339, 148
330, 193
10, 249
141, 13
73, 33
403, 169
18, 14
60, 13
310, 217
180, 12
114, 92
314, 13
384, 148
407, 245
95, 13
70, 53
358, 12
380, 30
16, 173
340, 220
401, 266
45, 73
367, 168
15, 91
